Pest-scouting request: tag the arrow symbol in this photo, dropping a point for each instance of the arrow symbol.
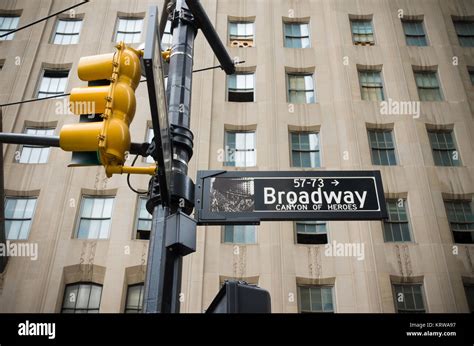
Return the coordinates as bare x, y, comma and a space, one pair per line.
335, 182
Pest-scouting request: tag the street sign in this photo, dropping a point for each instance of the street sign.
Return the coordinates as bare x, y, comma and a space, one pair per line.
158, 106
250, 197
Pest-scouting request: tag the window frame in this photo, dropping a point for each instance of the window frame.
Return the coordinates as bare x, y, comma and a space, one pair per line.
66, 34
362, 43
22, 219
423, 298
32, 147
470, 304
45, 73
438, 81
449, 151
382, 149
11, 36
462, 202
137, 219
390, 222
421, 22
245, 234
289, 90
241, 37
368, 87
317, 150
228, 150
79, 218
316, 223
134, 33
244, 90
138, 310
305, 286
301, 37
459, 36
79, 283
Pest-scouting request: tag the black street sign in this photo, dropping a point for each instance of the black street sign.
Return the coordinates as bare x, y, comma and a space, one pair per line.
158, 106
250, 197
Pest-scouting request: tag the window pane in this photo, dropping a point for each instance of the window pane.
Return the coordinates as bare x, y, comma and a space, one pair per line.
83, 296
13, 229
70, 297
305, 299
94, 301
316, 301
104, 229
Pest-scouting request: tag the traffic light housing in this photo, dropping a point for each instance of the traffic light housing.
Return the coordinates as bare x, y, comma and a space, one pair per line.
116, 104
240, 297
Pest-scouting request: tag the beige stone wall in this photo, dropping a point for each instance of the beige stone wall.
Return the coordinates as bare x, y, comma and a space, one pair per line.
339, 113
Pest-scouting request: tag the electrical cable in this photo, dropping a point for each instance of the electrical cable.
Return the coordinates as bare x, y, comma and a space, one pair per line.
128, 179
42, 19
62, 95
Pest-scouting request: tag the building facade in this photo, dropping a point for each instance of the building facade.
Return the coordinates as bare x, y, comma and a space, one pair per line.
326, 85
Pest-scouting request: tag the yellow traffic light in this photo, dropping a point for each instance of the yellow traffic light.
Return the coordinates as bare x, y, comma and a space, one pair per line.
115, 102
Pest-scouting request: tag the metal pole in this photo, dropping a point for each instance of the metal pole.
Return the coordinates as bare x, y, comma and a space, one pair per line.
18, 138
164, 266
3, 235
211, 35
154, 284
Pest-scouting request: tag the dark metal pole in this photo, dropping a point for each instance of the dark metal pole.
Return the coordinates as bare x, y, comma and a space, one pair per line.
18, 138
164, 267
211, 36
154, 285
3, 235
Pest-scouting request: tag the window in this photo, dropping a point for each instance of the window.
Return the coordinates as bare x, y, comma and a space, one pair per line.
409, 298
444, 148
241, 87
35, 153
461, 220
296, 35
414, 32
371, 86
396, 228
143, 220
82, 298
382, 147
149, 138
129, 30
240, 149
316, 299
96, 213
464, 30
362, 32
305, 150
18, 217
311, 232
428, 86
238, 234
134, 299
67, 31
471, 75
470, 296
300, 88
7, 24
53, 83
167, 39
241, 34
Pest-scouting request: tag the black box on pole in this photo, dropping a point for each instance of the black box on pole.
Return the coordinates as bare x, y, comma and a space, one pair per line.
240, 297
